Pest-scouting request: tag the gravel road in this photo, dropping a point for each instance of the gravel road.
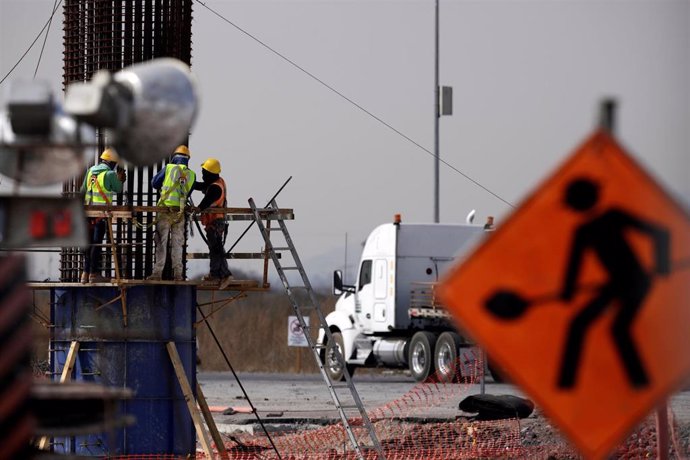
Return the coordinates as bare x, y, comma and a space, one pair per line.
285, 398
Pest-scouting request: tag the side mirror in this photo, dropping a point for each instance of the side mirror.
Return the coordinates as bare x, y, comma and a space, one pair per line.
337, 282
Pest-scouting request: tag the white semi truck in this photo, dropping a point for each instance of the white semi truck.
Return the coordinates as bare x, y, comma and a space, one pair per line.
391, 317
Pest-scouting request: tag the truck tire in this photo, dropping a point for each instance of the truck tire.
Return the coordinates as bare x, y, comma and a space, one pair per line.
334, 369
446, 357
421, 357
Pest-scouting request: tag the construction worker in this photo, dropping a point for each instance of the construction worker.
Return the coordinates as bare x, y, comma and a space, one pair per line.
215, 196
175, 182
100, 183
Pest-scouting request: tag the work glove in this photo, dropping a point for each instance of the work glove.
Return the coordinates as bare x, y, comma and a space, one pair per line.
122, 175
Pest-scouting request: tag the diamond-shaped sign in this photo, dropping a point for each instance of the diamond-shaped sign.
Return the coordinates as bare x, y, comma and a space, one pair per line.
582, 295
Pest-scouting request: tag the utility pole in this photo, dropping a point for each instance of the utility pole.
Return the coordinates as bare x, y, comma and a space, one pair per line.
345, 263
437, 116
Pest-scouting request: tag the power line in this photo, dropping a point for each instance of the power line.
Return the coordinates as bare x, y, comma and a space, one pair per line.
31, 45
361, 108
45, 37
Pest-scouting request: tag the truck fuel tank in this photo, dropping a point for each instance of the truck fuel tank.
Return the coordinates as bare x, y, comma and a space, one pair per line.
391, 351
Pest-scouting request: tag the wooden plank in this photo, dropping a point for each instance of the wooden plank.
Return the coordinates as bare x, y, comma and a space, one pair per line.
65, 376
234, 255
189, 398
126, 211
163, 282
113, 214
234, 285
210, 423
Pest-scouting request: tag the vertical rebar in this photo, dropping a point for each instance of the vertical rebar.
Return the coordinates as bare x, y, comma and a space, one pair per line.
113, 34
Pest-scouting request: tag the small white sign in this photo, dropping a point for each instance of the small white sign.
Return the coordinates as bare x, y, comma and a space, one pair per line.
296, 337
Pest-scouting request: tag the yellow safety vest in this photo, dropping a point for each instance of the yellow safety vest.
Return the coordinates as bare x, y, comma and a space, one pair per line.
96, 193
178, 182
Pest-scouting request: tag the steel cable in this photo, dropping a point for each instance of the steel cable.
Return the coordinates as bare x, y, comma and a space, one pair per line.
358, 106
31, 45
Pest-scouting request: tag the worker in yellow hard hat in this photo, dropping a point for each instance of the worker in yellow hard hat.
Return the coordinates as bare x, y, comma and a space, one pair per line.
215, 196
175, 183
101, 182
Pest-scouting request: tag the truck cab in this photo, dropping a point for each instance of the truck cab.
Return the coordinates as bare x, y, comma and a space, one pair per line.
376, 320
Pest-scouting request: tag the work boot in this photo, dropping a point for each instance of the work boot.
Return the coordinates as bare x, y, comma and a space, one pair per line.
178, 278
154, 277
84, 277
226, 282
210, 279
96, 278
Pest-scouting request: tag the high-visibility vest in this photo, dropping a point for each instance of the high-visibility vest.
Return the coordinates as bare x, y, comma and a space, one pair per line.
206, 219
178, 182
96, 193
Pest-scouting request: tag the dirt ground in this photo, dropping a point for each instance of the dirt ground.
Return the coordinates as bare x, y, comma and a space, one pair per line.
292, 403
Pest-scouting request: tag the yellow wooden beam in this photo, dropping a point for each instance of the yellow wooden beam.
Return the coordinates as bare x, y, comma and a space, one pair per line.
189, 398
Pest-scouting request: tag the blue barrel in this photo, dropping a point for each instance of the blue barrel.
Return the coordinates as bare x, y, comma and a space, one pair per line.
134, 357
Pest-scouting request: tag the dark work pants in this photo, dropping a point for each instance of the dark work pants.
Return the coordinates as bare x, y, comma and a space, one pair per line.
92, 254
214, 235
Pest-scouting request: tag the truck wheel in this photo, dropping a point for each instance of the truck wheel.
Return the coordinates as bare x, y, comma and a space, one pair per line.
446, 357
334, 368
421, 356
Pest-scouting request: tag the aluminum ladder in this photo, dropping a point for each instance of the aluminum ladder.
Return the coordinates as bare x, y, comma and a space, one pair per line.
344, 394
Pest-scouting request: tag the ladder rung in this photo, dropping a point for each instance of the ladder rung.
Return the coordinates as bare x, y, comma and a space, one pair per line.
290, 268
282, 248
340, 385
274, 229
350, 406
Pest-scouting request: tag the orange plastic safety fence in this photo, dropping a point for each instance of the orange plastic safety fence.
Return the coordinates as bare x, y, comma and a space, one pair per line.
147, 457
406, 433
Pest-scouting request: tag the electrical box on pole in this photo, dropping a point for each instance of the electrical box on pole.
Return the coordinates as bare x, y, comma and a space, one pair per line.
446, 100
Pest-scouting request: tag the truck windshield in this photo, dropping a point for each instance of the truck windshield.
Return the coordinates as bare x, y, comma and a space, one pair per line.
365, 274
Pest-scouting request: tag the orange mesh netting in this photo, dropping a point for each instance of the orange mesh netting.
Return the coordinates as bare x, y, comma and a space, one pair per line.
406, 434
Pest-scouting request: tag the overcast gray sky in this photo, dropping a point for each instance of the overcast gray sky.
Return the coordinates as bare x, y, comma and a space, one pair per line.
527, 78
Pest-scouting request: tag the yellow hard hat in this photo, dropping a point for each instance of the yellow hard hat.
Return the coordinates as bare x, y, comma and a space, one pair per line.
110, 155
182, 150
211, 165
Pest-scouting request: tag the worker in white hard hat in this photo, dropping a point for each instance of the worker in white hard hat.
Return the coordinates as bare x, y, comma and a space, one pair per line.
175, 182
101, 182
215, 196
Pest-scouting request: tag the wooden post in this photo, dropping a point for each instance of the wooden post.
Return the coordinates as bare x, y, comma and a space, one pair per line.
266, 256
189, 398
113, 248
662, 431
210, 423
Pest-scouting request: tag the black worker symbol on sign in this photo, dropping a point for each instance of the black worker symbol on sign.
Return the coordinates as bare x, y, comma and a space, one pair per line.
603, 231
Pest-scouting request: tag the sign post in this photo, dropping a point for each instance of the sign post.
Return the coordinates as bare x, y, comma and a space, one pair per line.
581, 295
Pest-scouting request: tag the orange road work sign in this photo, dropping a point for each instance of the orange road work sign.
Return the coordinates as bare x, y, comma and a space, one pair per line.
582, 296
